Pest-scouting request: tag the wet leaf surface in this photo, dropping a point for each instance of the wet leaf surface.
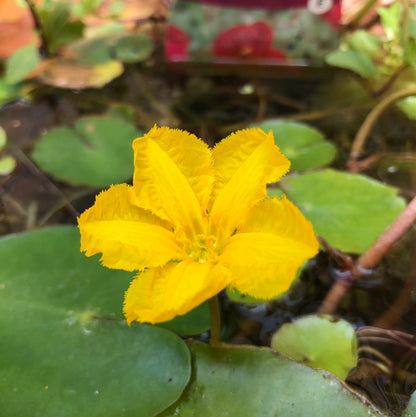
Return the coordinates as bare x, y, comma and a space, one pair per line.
348, 210
65, 349
277, 386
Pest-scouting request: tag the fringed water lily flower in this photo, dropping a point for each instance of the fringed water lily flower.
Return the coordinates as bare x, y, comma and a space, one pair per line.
196, 221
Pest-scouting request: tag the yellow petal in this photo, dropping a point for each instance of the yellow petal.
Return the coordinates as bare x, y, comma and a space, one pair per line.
160, 294
173, 176
128, 237
244, 163
275, 241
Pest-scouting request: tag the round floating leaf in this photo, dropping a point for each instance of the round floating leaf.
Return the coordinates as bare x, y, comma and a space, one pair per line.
91, 51
65, 350
305, 146
133, 48
354, 61
319, 342
97, 152
348, 210
252, 382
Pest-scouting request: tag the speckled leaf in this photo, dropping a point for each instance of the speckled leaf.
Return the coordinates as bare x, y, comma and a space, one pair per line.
253, 382
305, 146
320, 342
65, 350
348, 210
97, 151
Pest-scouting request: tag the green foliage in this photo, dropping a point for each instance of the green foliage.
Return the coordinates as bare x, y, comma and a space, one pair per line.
193, 323
58, 27
133, 48
411, 408
378, 58
65, 348
97, 151
354, 61
9, 92
320, 342
251, 382
84, 7
364, 42
304, 146
21, 63
348, 210
408, 106
118, 45
7, 163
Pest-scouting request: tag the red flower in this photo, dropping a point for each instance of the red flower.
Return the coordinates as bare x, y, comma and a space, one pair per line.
177, 43
333, 16
252, 41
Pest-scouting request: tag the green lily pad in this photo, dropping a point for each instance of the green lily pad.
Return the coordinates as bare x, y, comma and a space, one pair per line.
305, 147
64, 349
252, 382
354, 61
96, 152
195, 322
320, 342
411, 408
133, 48
350, 211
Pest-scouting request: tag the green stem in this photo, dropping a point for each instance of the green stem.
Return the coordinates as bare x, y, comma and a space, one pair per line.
215, 317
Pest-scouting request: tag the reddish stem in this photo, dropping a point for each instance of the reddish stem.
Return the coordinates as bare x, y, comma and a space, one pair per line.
372, 257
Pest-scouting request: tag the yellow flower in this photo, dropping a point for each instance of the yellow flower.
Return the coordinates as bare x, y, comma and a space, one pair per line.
196, 221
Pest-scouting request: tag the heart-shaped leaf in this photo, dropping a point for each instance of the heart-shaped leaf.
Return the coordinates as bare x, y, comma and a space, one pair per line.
97, 151
65, 349
350, 211
305, 147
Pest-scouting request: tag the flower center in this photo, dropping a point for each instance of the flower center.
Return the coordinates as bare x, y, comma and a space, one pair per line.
202, 249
